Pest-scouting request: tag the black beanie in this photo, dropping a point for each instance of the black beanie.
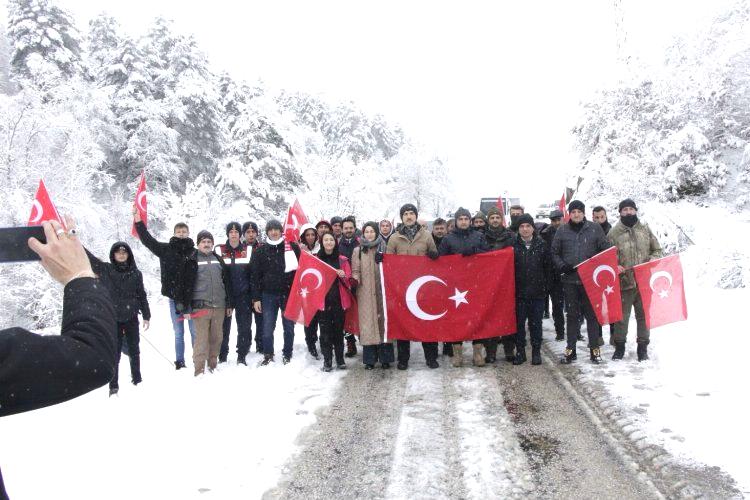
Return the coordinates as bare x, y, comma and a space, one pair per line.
525, 219
336, 220
273, 224
408, 208
247, 225
203, 235
627, 202
462, 212
233, 225
576, 205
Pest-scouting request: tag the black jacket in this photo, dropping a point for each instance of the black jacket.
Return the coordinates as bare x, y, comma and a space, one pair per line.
347, 248
183, 297
173, 257
497, 239
239, 267
533, 268
125, 284
570, 247
267, 271
463, 242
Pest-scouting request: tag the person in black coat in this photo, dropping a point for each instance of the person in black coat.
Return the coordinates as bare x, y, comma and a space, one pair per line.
42, 370
347, 243
533, 269
556, 288
173, 258
124, 281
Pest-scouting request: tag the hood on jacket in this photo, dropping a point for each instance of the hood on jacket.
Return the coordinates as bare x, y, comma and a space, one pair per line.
121, 244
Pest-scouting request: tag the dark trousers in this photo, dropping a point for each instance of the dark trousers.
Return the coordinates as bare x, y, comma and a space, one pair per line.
244, 318
558, 307
508, 341
579, 306
272, 304
404, 350
371, 354
311, 333
331, 324
530, 310
128, 332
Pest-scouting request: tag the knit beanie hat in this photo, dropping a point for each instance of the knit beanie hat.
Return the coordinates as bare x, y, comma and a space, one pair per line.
204, 235
525, 219
462, 212
408, 208
493, 211
233, 225
247, 225
627, 202
576, 205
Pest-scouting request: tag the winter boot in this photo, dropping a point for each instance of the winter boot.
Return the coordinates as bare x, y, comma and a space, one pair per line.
642, 351
432, 363
351, 346
509, 350
619, 350
402, 365
223, 358
569, 357
267, 358
313, 351
596, 355
458, 355
536, 355
241, 360
491, 349
369, 367
179, 364
478, 354
447, 349
113, 391
327, 367
286, 359
341, 366
559, 336
520, 356
385, 366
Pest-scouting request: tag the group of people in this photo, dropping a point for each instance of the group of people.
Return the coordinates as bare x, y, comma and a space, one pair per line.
248, 279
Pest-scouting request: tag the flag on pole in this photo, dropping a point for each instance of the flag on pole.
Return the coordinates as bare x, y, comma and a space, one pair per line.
141, 203
563, 207
43, 209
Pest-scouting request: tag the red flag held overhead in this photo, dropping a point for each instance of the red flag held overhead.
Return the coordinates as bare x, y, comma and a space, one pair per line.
141, 203
295, 219
43, 209
563, 207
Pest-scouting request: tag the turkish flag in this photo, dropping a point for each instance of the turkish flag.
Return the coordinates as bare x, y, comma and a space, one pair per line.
141, 203
295, 219
501, 208
662, 290
311, 283
450, 299
563, 206
43, 209
602, 283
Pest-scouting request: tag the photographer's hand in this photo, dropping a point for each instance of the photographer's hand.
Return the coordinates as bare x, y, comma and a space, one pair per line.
63, 255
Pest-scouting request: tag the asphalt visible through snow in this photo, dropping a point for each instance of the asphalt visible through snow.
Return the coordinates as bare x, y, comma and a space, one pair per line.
498, 431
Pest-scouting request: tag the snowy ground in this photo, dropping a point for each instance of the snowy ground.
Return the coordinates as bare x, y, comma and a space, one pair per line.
223, 435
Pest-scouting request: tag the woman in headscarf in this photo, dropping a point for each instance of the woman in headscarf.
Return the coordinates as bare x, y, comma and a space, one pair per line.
309, 242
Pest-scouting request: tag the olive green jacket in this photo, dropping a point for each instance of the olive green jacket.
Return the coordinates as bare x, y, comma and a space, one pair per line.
635, 245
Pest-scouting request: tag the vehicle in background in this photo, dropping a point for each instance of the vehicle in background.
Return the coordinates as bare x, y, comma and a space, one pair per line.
486, 203
543, 211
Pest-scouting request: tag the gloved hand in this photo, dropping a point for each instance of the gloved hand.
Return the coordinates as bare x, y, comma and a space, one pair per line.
379, 257
432, 254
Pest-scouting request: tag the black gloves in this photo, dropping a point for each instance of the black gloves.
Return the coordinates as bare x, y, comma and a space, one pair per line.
432, 254
378, 257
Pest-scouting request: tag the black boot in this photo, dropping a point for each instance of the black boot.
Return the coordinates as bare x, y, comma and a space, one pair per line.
520, 356
179, 364
135, 369
241, 360
579, 338
642, 351
113, 391
432, 363
619, 350
447, 349
327, 366
267, 358
596, 355
313, 351
223, 358
351, 346
509, 350
490, 348
569, 357
536, 355
560, 336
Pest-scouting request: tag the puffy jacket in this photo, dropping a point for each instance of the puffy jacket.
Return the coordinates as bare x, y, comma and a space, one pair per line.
635, 245
533, 268
571, 247
267, 271
238, 262
463, 242
173, 257
185, 287
422, 243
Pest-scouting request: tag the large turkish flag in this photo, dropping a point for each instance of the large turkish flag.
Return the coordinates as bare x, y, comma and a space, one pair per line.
141, 203
452, 298
602, 283
295, 219
43, 209
311, 283
662, 290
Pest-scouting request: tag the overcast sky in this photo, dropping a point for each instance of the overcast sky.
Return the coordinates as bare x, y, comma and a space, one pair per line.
494, 86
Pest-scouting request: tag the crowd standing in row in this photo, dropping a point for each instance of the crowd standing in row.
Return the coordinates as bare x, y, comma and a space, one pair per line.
247, 279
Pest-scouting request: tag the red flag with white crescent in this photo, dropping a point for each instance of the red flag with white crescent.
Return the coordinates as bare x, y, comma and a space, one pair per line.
602, 284
141, 203
501, 208
563, 207
451, 299
43, 209
311, 283
295, 218
662, 290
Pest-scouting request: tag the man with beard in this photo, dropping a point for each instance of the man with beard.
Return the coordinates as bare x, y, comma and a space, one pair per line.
479, 222
556, 288
498, 237
347, 243
439, 230
599, 215
412, 239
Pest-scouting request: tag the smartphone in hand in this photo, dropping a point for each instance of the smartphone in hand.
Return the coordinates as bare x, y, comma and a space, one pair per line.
14, 243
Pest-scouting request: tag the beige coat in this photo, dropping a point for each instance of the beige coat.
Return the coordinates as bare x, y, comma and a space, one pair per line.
422, 243
369, 297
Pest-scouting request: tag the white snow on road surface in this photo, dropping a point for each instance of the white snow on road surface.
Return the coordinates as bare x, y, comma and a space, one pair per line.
223, 435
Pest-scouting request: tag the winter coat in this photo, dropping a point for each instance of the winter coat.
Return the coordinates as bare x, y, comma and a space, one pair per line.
548, 234
339, 298
267, 271
185, 288
606, 227
497, 239
238, 261
635, 245
346, 247
533, 268
463, 242
212, 286
366, 273
125, 284
173, 257
571, 247
422, 243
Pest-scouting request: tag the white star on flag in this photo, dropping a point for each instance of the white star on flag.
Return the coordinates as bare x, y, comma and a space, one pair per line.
609, 289
459, 297
663, 294
303, 292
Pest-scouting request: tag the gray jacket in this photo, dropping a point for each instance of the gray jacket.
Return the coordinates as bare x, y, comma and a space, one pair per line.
570, 248
210, 289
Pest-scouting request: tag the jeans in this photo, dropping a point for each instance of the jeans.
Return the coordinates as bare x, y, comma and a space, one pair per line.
371, 354
179, 333
579, 306
531, 310
271, 304
244, 319
404, 351
129, 333
332, 335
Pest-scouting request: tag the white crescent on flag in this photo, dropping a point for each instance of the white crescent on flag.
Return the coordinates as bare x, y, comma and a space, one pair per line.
601, 269
657, 275
39, 212
140, 199
411, 298
315, 273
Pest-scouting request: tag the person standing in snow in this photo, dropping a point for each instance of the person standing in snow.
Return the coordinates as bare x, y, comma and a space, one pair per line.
556, 288
599, 215
270, 284
479, 222
366, 274
386, 229
204, 292
173, 257
310, 243
251, 237
347, 243
439, 230
236, 255
466, 241
413, 239
337, 301
337, 226
574, 242
636, 244
43, 370
124, 281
